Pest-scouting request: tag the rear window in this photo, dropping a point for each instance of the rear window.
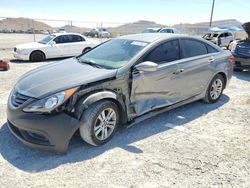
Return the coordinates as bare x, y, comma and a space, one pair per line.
191, 48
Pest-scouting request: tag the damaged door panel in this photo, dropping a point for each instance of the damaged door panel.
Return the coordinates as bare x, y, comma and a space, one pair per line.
159, 88
151, 90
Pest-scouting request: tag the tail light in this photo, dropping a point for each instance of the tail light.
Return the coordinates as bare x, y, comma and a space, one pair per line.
231, 59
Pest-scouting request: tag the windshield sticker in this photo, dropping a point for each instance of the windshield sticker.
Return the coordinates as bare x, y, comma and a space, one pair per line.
137, 43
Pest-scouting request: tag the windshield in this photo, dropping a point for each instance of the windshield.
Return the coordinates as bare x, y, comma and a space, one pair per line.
210, 35
150, 30
114, 53
46, 39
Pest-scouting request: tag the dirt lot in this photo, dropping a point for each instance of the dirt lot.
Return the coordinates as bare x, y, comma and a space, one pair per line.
197, 145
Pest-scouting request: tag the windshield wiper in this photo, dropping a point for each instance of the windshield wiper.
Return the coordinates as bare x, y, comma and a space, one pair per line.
91, 63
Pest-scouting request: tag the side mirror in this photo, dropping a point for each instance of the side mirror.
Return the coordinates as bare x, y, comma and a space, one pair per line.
52, 43
147, 66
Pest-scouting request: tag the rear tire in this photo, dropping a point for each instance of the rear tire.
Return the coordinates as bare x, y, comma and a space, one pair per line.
86, 50
37, 56
99, 122
215, 89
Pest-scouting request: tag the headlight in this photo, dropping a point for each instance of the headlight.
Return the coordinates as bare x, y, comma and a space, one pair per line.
20, 51
50, 103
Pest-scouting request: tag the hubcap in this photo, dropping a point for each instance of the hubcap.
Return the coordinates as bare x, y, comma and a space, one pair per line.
105, 124
216, 89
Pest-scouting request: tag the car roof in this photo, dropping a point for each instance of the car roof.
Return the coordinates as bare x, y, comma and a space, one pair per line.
58, 34
150, 37
169, 28
219, 32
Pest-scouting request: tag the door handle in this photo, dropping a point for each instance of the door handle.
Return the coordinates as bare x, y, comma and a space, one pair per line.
178, 71
211, 60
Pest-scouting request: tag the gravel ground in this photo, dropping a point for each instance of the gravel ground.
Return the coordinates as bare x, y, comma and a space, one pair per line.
197, 145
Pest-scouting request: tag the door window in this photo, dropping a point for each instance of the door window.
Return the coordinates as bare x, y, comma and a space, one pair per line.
76, 38
62, 39
191, 48
167, 52
211, 49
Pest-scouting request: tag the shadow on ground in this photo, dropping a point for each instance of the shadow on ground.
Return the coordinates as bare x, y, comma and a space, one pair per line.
244, 75
29, 160
24, 62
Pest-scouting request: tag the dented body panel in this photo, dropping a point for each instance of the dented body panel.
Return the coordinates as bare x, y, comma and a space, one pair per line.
136, 92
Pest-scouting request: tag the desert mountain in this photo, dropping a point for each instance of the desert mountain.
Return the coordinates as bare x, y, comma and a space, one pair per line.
23, 24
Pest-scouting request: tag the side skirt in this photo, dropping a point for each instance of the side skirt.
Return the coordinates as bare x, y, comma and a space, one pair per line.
162, 110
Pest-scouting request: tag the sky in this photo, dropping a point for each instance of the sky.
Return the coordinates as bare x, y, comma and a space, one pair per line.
167, 12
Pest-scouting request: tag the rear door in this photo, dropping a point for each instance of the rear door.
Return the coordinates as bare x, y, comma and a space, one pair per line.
151, 90
76, 45
197, 58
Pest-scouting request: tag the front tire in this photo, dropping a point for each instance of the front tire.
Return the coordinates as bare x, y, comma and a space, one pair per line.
215, 89
99, 122
37, 56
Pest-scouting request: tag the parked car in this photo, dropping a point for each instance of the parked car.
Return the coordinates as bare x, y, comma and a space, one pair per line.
124, 80
241, 51
98, 33
222, 39
167, 30
4, 65
54, 46
151, 30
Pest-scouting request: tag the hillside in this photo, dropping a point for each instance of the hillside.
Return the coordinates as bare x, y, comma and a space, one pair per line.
129, 28
74, 29
23, 24
136, 27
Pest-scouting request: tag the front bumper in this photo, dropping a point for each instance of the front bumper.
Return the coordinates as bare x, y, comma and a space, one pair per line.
44, 132
24, 57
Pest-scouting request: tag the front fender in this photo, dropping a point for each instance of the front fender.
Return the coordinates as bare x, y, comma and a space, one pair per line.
92, 98
89, 99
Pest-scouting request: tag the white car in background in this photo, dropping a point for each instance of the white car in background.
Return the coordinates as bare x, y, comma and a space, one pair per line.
167, 30
54, 46
222, 38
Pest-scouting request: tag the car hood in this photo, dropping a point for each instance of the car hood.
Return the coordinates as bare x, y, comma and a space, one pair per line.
246, 27
29, 45
60, 76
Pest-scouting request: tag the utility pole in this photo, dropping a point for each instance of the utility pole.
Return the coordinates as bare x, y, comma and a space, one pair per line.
212, 12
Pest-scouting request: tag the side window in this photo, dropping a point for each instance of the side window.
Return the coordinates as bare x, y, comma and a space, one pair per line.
211, 49
222, 35
62, 39
167, 52
191, 48
226, 34
76, 38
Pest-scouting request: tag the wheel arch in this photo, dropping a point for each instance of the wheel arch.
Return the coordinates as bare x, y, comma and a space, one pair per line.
86, 49
37, 50
224, 77
96, 96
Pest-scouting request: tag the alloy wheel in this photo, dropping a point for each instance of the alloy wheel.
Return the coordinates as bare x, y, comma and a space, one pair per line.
105, 124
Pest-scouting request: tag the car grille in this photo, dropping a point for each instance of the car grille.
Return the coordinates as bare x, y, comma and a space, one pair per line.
245, 51
17, 99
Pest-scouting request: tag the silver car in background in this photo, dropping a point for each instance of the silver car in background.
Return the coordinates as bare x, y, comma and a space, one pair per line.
119, 82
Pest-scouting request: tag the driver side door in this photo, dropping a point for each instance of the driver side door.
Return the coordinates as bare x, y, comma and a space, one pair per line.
159, 88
